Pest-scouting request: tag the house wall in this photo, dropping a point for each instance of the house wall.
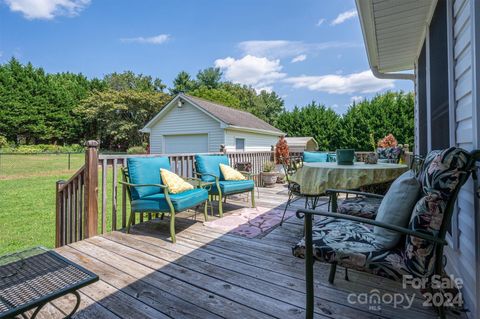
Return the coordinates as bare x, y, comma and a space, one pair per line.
462, 252
253, 141
186, 120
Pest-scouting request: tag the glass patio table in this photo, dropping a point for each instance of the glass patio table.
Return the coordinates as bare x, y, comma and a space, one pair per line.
316, 178
31, 278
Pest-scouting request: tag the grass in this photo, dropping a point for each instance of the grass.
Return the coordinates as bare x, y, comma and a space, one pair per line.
27, 198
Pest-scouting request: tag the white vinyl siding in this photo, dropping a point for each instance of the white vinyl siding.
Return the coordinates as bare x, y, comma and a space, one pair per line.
186, 120
462, 259
253, 141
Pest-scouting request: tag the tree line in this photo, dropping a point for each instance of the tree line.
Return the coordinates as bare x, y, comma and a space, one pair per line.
68, 108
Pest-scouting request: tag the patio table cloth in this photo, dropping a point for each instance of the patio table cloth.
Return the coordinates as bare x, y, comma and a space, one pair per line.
315, 178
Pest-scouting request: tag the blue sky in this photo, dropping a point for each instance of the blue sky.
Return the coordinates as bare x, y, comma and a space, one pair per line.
303, 50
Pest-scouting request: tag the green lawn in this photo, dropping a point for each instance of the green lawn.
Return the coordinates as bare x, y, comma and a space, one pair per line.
27, 198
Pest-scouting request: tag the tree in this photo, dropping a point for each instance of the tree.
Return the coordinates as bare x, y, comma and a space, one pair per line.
182, 83
313, 120
36, 107
209, 77
115, 117
131, 81
391, 112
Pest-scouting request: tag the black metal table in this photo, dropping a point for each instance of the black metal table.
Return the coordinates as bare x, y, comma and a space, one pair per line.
31, 278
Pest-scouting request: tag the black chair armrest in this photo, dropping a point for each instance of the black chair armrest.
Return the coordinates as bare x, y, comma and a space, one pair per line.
301, 213
347, 191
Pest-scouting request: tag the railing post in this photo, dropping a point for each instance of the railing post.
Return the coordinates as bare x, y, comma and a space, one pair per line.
91, 190
59, 215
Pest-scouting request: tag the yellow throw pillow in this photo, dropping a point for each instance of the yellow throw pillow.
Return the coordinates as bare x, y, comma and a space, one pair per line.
230, 174
175, 183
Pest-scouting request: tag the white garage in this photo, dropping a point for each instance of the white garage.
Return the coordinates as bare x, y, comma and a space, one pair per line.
189, 124
186, 143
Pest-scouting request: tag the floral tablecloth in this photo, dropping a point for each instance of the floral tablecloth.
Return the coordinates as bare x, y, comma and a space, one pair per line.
315, 178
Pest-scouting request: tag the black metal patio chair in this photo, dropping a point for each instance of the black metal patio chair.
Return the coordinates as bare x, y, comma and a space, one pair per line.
337, 238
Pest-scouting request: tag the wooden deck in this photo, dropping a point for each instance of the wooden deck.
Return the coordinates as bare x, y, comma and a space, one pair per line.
210, 274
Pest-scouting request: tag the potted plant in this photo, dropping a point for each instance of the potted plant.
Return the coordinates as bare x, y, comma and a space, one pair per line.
269, 175
281, 152
389, 150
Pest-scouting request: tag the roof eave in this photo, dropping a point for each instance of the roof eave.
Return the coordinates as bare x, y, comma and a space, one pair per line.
367, 23
255, 130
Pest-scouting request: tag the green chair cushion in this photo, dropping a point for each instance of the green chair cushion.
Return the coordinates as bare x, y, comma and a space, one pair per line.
312, 157
233, 187
180, 201
210, 164
146, 170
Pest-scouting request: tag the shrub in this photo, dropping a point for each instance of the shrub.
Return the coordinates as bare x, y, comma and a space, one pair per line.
44, 148
137, 150
3, 141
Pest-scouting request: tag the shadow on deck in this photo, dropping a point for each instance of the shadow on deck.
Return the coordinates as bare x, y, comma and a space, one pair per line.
210, 273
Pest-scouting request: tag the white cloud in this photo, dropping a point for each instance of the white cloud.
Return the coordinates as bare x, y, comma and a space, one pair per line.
344, 16
363, 82
334, 106
259, 72
356, 99
277, 49
299, 58
320, 22
158, 39
47, 9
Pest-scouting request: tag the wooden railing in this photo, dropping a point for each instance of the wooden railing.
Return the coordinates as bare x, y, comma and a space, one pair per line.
76, 202
79, 214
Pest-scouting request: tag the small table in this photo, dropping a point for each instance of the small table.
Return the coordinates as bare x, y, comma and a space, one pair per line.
316, 178
33, 277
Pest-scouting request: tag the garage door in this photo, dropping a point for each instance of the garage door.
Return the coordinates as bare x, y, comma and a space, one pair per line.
191, 143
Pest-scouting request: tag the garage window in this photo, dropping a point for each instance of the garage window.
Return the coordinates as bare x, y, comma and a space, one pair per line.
240, 144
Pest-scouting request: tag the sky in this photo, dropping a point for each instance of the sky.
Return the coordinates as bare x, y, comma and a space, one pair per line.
304, 50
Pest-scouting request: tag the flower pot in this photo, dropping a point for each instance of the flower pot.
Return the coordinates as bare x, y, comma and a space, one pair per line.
269, 179
280, 173
345, 156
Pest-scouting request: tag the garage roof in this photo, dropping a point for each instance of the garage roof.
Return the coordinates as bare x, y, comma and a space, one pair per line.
393, 31
230, 117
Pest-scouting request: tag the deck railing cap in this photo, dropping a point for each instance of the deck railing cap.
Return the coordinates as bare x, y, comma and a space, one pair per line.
91, 143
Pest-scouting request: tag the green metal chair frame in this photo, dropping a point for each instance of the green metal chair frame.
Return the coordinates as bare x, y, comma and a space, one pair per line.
290, 166
221, 197
439, 240
126, 182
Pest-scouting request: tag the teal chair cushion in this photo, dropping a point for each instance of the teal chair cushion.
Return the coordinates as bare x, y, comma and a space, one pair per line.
146, 170
210, 164
180, 201
312, 157
233, 187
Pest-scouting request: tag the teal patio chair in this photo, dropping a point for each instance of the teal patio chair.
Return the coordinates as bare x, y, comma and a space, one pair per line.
147, 194
207, 167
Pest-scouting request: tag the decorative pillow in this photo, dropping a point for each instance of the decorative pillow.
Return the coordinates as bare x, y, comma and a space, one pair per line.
175, 183
439, 178
396, 208
231, 174
312, 157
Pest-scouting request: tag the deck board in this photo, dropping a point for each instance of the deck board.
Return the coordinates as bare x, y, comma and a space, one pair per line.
209, 273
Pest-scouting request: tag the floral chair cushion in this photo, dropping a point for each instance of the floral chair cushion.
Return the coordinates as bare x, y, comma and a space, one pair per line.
439, 178
353, 245
366, 207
